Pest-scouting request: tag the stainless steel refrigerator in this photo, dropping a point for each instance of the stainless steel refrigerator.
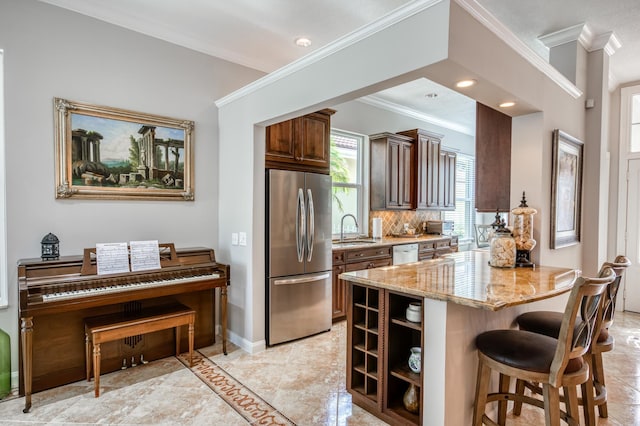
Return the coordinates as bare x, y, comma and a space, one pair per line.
298, 255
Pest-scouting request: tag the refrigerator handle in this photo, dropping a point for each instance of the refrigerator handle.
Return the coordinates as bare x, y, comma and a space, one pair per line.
311, 228
300, 225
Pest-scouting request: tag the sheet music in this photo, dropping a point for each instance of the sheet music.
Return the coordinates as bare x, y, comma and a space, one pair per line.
112, 258
145, 255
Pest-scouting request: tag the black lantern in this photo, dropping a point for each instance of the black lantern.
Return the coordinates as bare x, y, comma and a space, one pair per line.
50, 247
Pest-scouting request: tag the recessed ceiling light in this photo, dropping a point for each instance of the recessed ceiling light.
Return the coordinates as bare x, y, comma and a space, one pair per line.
303, 42
507, 104
465, 83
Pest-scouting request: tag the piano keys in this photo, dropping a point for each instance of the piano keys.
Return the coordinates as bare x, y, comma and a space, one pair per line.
55, 296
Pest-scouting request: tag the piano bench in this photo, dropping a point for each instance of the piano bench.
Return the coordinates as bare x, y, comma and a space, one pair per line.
106, 328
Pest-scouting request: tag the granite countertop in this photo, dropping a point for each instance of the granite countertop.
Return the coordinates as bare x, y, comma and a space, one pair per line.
467, 279
364, 242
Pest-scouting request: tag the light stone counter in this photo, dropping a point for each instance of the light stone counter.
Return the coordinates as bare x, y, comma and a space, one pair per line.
353, 243
467, 279
462, 297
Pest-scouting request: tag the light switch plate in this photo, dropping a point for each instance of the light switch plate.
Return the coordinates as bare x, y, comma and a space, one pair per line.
243, 238
234, 238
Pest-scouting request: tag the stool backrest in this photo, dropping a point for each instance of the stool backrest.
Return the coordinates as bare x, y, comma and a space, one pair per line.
573, 342
609, 303
482, 235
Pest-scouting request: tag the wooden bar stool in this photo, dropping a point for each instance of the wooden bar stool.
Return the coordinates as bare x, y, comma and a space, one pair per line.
548, 323
533, 357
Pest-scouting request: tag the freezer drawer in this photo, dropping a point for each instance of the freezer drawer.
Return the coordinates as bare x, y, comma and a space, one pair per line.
299, 306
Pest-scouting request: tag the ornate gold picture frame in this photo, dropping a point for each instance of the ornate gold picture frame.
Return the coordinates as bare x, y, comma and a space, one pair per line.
566, 190
110, 153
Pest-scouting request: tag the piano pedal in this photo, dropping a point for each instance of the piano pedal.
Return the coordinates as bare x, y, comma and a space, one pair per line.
142, 361
124, 364
133, 362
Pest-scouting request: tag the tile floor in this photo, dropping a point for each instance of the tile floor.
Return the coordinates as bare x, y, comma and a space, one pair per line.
304, 381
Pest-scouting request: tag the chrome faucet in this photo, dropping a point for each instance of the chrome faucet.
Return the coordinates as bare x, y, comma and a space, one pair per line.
342, 225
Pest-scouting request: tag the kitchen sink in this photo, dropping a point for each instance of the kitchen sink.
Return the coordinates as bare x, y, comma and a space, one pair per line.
354, 241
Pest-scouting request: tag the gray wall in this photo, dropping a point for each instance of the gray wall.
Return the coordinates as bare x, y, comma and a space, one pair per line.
50, 52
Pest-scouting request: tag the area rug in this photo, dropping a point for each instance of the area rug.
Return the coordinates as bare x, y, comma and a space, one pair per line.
242, 399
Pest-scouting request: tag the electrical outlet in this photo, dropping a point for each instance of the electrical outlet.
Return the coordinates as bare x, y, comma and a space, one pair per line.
234, 238
243, 238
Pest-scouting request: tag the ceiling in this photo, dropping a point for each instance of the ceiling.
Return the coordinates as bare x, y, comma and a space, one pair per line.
260, 34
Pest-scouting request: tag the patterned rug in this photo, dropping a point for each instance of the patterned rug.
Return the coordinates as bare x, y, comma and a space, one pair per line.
242, 399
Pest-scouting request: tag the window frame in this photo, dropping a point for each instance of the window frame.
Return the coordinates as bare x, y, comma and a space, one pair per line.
362, 174
469, 199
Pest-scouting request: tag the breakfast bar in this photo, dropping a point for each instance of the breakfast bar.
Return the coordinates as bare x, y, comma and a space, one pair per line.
461, 297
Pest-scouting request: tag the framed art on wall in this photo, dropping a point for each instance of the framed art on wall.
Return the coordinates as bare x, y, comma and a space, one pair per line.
566, 190
111, 153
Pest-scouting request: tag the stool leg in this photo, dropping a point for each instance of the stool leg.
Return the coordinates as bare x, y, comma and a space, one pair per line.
87, 355
588, 394
191, 334
598, 377
551, 405
96, 369
517, 405
177, 340
502, 404
482, 389
571, 402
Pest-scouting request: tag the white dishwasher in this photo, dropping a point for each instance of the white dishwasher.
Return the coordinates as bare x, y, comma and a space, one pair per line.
405, 253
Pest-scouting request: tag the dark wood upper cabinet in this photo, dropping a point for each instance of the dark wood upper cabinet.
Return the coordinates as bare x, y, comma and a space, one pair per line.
435, 171
302, 143
493, 160
392, 172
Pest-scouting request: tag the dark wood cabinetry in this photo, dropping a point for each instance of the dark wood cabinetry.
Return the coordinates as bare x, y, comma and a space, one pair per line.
302, 143
354, 260
379, 340
392, 172
493, 160
435, 248
447, 180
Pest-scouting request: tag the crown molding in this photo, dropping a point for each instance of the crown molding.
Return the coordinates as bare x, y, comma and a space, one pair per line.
408, 112
580, 32
607, 41
353, 37
499, 29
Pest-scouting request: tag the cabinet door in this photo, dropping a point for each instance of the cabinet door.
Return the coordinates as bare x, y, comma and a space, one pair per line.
314, 140
280, 146
493, 160
339, 294
447, 180
394, 164
430, 172
407, 176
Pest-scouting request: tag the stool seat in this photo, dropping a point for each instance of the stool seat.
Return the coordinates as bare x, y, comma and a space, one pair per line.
523, 350
548, 323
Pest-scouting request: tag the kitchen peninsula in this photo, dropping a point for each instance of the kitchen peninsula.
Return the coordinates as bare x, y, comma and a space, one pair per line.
461, 296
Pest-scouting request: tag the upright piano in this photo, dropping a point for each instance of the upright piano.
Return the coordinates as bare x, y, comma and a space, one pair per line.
56, 296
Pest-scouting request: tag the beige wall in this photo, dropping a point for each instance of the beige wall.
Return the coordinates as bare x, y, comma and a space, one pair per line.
51, 52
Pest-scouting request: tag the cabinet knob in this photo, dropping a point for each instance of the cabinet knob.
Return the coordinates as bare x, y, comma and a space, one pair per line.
370, 265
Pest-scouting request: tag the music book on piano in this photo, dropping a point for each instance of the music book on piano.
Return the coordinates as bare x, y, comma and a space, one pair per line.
112, 258
145, 255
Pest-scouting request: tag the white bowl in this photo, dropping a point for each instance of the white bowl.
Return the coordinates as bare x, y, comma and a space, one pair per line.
414, 312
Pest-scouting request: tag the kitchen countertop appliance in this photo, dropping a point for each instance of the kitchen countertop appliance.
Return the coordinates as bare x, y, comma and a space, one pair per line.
440, 227
298, 251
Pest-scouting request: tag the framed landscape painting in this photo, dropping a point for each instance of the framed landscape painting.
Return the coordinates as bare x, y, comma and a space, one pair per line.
566, 190
110, 153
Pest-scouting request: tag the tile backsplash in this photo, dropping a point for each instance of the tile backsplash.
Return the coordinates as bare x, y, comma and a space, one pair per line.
392, 221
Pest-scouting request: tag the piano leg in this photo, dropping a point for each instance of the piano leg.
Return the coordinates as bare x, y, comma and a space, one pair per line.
26, 336
223, 317
96, 369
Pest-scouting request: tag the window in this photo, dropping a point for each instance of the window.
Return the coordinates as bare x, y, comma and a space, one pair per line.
463, 216
635, 123
347, 173
4, 296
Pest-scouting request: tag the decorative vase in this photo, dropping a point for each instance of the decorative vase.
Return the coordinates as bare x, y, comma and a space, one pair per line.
415, 359
411, 399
